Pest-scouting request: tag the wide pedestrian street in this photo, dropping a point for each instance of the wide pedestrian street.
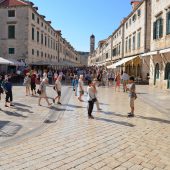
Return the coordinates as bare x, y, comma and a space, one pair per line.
72, 141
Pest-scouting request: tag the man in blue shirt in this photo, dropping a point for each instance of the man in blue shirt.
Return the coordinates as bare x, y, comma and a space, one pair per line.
7, 85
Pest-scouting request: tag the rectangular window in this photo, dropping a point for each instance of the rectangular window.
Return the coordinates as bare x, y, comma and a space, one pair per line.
11, 31
32, 51
119, 48
48, 42
138, 41
134, 18
139, 12
33, 16
11, 13
45, 41
11, 51
37, 53
168, 23
38, 36
38, 20
33, 34
134, 42
126, 48
107, 55
130, 44
42, 39
158, 28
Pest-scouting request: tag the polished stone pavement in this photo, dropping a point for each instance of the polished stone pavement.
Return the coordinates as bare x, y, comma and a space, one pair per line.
110, 141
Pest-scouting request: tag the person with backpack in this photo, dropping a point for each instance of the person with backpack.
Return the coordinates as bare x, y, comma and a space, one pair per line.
7, 86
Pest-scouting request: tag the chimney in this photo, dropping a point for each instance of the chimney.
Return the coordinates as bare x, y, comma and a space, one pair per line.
135, 3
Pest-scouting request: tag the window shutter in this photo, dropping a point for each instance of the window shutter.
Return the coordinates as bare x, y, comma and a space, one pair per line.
154, 30
168, 23
161, 28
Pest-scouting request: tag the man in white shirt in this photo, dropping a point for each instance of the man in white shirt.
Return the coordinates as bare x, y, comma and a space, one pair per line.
125, 78
57, 87
91, 91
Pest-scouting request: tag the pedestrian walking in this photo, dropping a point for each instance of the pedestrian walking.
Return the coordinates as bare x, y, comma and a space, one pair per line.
97, 101
81, 88
76, 82
132, 96
117, 81
50, 76
1, 89
125, 78
27, 83
42, 92
7, 86
33, 84
91, 98
57, 88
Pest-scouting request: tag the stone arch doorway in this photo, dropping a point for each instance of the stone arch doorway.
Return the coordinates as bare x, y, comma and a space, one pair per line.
156, 74
167, 74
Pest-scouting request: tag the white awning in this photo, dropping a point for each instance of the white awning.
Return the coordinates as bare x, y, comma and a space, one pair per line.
17, 63
164, 51
122, 61
5, 61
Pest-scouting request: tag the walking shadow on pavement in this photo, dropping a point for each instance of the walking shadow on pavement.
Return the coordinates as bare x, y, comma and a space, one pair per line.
154, 119
74, 106
8, 129
22, 105
114, 114
23, 110
13, 114
116, 122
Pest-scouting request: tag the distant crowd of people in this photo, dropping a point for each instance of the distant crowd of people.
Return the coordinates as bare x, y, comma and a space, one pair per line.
93, 77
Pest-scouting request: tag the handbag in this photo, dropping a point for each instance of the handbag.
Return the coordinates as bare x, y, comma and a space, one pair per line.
1, 90
39, 91
54, 87
94, 100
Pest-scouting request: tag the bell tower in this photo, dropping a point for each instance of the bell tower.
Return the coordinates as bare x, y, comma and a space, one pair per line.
92, 44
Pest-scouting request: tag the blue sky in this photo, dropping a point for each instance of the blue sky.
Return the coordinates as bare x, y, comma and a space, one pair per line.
78, 19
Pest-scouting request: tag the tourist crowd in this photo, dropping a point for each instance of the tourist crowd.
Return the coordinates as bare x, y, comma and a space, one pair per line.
93, 77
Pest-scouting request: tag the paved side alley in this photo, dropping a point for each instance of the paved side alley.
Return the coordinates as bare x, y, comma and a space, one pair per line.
110, 141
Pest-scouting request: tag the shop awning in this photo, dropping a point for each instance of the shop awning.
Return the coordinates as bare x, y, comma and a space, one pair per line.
5, 61
122, 61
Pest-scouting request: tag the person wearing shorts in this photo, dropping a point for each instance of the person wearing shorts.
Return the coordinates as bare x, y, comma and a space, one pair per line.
132, 96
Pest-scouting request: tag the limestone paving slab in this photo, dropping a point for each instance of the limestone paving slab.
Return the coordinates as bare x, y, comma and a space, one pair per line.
110, 141
26, 116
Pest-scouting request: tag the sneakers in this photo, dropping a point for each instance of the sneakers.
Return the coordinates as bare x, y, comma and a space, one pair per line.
90, 117
59, 103
131, 115
99, 109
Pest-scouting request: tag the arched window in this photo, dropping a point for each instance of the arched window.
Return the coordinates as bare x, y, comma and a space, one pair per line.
167, 71
157, 71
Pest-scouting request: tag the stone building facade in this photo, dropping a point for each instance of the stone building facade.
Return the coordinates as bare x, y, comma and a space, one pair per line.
26, 35
160, 44
141, 44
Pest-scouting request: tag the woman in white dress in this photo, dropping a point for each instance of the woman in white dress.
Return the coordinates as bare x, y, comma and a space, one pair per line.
42, 92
